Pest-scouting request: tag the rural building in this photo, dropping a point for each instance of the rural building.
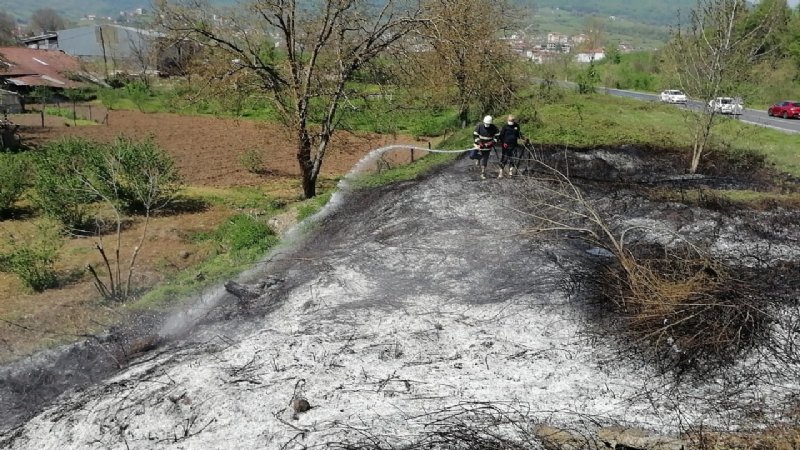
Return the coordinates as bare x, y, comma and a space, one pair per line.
590, 55
115, 48
9, 102
22, 69
107, 41
47, 41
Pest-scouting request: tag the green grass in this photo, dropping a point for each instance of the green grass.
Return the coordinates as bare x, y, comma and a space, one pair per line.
312, 206
603, 120
67, 114
404, 172
459, 140
238, 243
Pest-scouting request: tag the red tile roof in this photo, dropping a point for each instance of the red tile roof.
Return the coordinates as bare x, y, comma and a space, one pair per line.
23, 66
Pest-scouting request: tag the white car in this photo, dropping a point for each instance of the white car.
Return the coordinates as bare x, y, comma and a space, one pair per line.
726, 105
673, 96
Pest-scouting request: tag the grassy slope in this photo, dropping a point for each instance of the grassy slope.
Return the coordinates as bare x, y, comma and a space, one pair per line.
604, 120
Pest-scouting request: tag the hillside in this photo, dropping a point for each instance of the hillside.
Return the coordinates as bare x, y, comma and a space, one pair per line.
654, 12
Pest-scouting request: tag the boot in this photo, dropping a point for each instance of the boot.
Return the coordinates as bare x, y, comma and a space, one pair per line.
511, 171
483, 173
500, 174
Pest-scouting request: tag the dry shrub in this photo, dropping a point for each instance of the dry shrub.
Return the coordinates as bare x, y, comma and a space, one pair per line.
785, 437
465, 426
676, 302
686, 307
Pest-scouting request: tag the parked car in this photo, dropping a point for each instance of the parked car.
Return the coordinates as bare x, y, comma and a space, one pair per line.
786, 109
726, 105
673, 96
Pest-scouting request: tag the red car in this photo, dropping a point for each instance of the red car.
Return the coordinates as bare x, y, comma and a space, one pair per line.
787, 110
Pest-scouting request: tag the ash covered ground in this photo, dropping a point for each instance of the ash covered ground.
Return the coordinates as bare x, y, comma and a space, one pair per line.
407, 303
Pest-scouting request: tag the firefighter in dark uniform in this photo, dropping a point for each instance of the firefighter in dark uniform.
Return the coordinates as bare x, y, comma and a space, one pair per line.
485, 136
509, 139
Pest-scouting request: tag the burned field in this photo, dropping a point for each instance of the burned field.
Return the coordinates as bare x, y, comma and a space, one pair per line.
626, 293
679, 267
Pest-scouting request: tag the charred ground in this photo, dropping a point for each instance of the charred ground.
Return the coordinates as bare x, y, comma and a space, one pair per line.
437, 289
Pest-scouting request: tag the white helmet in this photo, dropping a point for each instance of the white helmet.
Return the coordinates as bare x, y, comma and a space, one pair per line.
487, 120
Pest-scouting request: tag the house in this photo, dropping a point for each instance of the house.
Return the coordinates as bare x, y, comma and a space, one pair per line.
46, 41
22, 69
590, 55
557, 38
10, 102
539, 56
107, 41
579, 39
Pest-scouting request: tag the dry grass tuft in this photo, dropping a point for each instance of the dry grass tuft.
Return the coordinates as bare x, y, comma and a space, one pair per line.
687, 308
676, 302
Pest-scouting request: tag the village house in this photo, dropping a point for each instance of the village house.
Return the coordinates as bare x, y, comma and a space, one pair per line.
590, 55
24, 69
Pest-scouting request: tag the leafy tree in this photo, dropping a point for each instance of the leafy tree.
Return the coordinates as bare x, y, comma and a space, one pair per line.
466, 63
322, 47
588, 79
46, 19
613, 55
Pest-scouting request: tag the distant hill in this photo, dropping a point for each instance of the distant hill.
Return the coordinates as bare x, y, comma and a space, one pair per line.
72, 9
655, 12
644, 23
652, 12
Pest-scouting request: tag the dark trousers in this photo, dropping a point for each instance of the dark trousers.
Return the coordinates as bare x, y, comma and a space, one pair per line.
484, 160
509, 155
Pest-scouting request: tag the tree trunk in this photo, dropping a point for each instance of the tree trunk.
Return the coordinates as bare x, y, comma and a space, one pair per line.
463, 116
306, 165
309, 184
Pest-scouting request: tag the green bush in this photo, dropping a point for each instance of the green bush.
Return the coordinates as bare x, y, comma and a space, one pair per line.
252, 160
72, 173
139, 175
13, 179
244, 232
59, 189
32, 257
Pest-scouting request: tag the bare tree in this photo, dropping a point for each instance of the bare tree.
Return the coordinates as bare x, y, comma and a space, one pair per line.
322, 46
144, 54
459, 48
595, 29
8, 29
714, 55
46, 19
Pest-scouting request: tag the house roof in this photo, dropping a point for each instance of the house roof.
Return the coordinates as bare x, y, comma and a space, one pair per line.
23, 66
40, 37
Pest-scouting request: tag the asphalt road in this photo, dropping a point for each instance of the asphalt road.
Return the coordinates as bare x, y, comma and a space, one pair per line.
754, 116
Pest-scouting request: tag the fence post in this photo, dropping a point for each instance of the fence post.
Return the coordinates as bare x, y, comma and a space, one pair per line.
412, 154
41, 111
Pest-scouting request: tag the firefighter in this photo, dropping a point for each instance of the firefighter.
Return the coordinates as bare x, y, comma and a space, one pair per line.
485, 136
509, 139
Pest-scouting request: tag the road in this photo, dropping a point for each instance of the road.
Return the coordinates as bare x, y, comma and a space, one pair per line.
754, 116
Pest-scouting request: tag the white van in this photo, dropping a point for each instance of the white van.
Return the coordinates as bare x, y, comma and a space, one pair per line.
726, 105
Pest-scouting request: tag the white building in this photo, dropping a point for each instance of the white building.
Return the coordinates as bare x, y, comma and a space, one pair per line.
590, 55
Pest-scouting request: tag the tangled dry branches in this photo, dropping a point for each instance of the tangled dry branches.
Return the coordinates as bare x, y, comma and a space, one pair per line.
686, 307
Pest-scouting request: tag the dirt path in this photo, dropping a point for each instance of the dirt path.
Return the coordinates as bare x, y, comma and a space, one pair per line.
406, 304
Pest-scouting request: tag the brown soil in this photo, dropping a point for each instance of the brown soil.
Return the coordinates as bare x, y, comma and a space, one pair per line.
207, 151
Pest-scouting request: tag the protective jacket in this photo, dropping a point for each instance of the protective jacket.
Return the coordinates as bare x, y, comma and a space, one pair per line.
485, 135
510, 134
